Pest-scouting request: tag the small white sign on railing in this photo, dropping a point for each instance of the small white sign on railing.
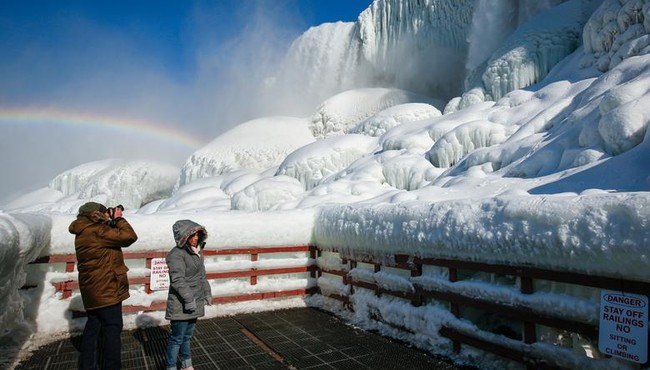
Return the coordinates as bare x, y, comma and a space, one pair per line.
159, 279
623, 328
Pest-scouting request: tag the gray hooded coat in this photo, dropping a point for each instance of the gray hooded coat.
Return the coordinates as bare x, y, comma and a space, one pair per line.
188, 283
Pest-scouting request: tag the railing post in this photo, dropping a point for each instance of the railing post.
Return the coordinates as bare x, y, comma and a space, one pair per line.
417, 300
315, 253
147, 285
348, 281
253, 277
530, 332
454, 308
69, 266
67, 292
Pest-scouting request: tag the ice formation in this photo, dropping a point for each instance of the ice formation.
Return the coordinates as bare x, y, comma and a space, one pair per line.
452, 46
131, 183
615, 31
396, 115
315, 162
253, 145
341, 113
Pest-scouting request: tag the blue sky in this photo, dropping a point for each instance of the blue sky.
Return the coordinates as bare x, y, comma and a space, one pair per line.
166, 28
106, 56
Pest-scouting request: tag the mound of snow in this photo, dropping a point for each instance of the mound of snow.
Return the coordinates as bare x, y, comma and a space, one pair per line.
255, 145
268, 194
383, 121
409, 172
339, 114
313, 163
74, 180
418, 137
464, 139
111, 182
624, 114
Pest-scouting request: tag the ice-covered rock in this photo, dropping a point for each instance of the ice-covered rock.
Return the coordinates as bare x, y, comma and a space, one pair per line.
339, 114
409, 172
197, 196
617, 30
268, 193
464, 139
72, 181
313, 163
383, 121
131, 183
254, 145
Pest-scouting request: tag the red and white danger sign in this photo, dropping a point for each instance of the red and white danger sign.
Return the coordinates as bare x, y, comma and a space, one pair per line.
159, 279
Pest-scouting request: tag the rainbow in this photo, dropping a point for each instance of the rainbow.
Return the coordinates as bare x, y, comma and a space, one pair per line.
53, 116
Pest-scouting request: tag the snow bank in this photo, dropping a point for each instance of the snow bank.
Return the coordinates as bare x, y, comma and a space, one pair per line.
604, 234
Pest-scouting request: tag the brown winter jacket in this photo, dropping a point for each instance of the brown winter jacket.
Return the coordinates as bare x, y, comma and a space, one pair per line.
102, 273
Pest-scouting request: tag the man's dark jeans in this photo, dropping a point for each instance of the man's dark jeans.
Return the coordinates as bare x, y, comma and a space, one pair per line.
107, 322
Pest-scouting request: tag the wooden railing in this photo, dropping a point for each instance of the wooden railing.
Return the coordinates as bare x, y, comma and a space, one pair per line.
527, 278
67, 286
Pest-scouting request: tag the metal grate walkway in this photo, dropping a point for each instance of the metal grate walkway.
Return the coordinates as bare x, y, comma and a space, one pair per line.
299, 338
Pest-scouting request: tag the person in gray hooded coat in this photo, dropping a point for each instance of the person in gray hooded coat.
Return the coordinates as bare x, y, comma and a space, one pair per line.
189, 290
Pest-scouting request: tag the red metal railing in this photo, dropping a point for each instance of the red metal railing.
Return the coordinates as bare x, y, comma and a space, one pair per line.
66, 287
527, 279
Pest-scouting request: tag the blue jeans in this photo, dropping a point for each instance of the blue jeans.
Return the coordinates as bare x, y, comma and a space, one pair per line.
104, 323
178, 346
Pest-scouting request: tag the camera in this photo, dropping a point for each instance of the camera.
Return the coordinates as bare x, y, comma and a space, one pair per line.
111, 214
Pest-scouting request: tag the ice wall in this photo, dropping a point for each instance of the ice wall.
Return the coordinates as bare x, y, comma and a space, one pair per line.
323, 61
440, 48
533, 48
334, 57
431, 33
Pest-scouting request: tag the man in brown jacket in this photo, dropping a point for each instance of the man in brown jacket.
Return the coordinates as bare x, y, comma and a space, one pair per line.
103, 282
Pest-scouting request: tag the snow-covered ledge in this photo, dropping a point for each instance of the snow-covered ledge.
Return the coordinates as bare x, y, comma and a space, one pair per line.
602, 234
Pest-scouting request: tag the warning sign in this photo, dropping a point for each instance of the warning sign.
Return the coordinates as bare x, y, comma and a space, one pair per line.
159, 274
623, 325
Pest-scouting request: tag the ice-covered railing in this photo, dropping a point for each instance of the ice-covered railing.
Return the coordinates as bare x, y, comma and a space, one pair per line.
518, 275
541, 318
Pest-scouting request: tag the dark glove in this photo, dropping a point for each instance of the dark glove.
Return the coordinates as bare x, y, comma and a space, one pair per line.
190, 306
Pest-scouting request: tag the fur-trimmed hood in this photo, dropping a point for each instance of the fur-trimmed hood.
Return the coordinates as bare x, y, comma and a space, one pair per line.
183, 229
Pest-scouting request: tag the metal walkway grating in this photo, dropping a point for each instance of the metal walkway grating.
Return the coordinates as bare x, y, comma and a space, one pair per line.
300, 338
